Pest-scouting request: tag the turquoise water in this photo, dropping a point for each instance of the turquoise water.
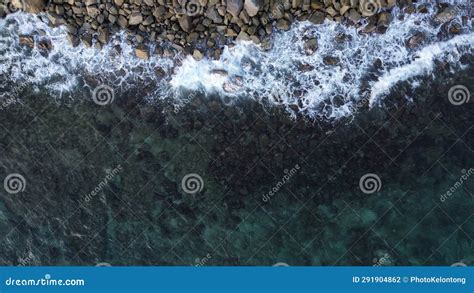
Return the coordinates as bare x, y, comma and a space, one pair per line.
104, 183
108, 160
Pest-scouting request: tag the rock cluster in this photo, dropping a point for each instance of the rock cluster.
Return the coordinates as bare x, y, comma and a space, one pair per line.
199, 27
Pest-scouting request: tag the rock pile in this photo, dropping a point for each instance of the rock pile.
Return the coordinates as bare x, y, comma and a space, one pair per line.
198, 27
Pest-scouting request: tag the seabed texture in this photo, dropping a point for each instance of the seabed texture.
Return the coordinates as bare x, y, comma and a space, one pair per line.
202, 179
107, 184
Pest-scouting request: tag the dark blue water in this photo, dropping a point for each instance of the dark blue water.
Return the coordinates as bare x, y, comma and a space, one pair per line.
136, 182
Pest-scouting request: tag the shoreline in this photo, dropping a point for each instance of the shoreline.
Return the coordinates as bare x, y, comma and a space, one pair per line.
116, 178
202, 28
330, 81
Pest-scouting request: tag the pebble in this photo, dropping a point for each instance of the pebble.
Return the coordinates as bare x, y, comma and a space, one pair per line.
196, 24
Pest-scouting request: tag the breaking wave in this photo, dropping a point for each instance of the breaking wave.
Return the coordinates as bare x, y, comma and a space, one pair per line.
347, 68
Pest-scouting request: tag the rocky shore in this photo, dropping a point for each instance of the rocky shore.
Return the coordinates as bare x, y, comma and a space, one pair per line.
203, 27
197, 27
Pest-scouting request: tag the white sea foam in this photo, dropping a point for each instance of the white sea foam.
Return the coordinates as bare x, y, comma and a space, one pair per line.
284, 75
277, 74
62, 68
421, 65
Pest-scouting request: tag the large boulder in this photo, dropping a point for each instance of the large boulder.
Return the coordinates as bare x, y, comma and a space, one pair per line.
253, 7
185, 23
32, 6
446, 15
135, 18
310, 46
142, 52
27, 41
213, 15
234, 7
317, 17
416, 40
283, 24
56, 20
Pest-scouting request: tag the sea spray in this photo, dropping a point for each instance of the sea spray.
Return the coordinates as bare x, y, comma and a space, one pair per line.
361, 67
287, 76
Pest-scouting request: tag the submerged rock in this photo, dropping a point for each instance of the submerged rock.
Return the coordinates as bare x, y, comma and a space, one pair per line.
455, 29
27, 41
220, 72
142, 53
233, 84
416, 40
45, 44
310, 46
331, 60
304, 67
446, 15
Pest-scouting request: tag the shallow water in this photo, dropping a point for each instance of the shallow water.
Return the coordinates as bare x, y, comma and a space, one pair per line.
167, 175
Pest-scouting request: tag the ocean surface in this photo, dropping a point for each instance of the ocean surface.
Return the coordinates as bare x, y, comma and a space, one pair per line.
360, 153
